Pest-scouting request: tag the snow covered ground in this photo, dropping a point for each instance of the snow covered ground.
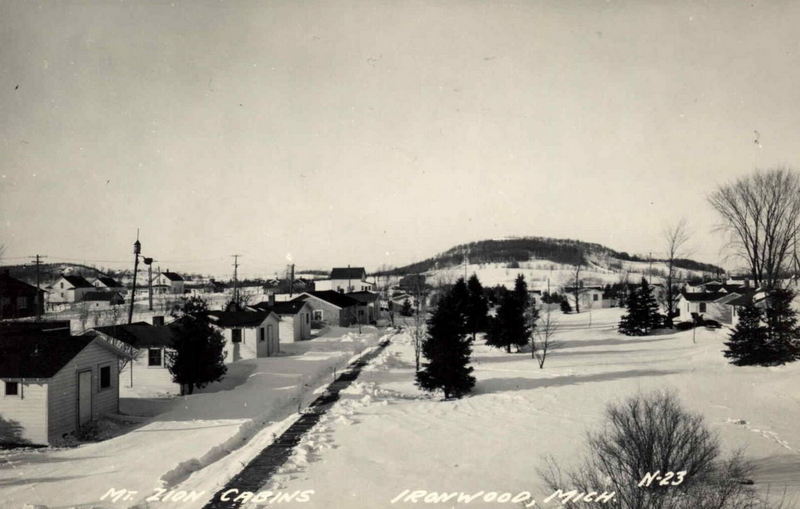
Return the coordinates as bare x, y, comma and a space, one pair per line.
198, 439
385, 436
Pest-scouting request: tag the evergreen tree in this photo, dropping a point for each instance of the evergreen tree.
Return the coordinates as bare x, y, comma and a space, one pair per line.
198, 356
511, 326
642, 316
447, 349
629, 323
782, 330
747, 344
565, 307
477, 306
650, 317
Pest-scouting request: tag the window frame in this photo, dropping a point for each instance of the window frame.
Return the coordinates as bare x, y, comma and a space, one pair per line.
150, 358
100, 370
16, 392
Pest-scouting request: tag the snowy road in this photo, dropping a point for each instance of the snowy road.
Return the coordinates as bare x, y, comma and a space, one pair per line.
199, 440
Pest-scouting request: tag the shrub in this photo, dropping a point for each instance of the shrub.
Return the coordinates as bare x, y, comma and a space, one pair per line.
684, 325
565, 307
649, 433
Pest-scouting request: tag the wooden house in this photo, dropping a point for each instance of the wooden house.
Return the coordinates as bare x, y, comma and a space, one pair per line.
295, 318
332, 307
69, 288
18, 299
248, 334
54, 383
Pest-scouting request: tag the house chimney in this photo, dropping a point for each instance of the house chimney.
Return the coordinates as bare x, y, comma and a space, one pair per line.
272, 299
158, 321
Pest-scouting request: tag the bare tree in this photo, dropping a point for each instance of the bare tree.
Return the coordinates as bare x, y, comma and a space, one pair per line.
760, 214
542, 341
675, 238
576, 283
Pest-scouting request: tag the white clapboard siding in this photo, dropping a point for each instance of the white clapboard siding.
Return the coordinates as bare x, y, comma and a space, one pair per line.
23, 417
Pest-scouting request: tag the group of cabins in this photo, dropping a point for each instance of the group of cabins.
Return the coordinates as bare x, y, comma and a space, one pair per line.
53, 383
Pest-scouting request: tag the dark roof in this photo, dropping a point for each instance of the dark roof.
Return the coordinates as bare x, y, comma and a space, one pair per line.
9, 284
38, 355
337, 299
78, 281
109, 282
348, 273
363, 296
22, 327
103, 297
289, 307
237, 318
703, 296
139, 334
172, 276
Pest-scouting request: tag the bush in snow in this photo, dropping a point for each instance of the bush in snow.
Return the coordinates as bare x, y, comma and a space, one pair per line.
565, 307
198, 357
406, 309
447, 349
652, 434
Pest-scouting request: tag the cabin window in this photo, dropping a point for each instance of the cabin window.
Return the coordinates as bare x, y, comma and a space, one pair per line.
12, 388
62, 284
154, 357
317, 315
105, 377
308, 318
594, 297
236, 335
22, 303
702, 307
262, 334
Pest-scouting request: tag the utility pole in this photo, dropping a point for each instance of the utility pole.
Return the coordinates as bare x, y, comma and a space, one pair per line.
137, 249
39, 303
236, 278
149, 263
650, 267
291, 280
466, 263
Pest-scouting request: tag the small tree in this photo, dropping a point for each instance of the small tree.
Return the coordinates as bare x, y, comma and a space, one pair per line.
477, 306
565, 307
406, 310
747, 344
782, 329
198, 356
542, 341
447, 349
642, 316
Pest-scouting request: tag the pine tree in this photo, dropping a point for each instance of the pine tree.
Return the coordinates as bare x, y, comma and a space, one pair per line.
565, 307
782, 329
447, 349
650, 317
477, 306
511, 326
747, 343
629, 323
198, 356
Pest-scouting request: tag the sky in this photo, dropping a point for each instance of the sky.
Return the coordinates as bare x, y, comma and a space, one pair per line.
379, 133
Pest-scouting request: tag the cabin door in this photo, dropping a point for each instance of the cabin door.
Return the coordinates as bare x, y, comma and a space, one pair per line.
84, 397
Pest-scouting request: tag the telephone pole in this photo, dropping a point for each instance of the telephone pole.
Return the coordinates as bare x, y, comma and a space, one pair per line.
149, 263
137, 249
38, 301
291, 280
236, 278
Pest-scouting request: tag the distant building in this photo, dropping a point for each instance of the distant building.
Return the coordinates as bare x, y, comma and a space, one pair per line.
103, 300
169, 283
589, 297
68, 289
345, 280
248, 334
295, 318
108, 284
54, 383
332, 307
369, 307
18, 298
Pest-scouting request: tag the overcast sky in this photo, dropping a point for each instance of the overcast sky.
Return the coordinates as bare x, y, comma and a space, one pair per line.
380, 132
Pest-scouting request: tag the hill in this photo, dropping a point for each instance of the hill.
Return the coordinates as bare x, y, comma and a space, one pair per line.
540, 259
